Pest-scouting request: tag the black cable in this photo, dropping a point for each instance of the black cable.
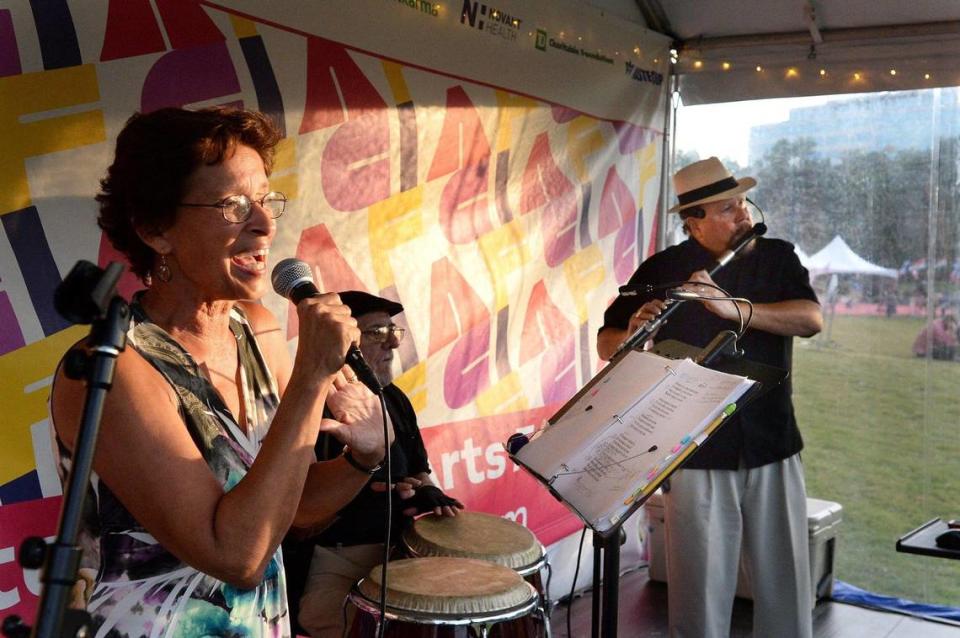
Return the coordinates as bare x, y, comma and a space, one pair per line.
576, 573
727, 297
389, 522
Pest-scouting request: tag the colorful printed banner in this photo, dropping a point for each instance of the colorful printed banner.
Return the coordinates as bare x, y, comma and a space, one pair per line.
494, 167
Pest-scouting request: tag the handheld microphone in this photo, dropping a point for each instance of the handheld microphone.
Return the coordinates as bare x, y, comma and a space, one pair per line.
758, 229
293, 279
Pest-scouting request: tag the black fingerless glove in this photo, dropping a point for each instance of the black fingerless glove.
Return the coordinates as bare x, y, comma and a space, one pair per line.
428, 497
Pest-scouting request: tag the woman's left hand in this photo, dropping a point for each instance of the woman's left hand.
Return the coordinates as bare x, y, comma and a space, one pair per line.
357, 418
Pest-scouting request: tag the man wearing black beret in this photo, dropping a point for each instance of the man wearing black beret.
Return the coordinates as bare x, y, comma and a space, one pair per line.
348, 548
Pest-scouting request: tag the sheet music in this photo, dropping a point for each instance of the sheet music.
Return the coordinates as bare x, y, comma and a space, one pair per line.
628, 429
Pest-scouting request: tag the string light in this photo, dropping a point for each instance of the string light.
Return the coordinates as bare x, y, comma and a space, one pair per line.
789, 72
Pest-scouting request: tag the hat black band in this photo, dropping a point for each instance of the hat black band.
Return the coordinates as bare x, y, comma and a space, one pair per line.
706, 191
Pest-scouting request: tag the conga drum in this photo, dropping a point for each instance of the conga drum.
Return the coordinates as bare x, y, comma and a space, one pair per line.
443, 597
485, 537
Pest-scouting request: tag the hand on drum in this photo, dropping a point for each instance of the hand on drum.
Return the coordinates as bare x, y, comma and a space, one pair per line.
421, 498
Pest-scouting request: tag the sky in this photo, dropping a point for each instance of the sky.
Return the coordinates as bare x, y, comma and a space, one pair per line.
724, 129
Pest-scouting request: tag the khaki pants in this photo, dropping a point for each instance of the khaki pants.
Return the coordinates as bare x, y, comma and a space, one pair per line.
709, 515
333, 571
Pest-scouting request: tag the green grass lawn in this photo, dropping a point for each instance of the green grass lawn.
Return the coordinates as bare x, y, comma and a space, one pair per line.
882, 433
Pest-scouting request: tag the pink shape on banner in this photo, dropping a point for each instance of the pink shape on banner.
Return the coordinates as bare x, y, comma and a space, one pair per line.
558, 372
129, 283
9, 54
617, 205
464, 206
544, 325
462, 139
131, 30
452, 297
625, 249
188, 24
545, 186
469, 462
189, 75
332, 72
352, 176
564, 114
632, 137
19, 593
467, 370
11, 337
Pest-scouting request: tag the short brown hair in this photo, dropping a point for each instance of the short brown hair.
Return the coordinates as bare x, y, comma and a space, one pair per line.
156, 153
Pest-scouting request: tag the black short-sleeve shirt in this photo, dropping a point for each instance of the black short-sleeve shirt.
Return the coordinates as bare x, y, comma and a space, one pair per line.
361, 521
765, 430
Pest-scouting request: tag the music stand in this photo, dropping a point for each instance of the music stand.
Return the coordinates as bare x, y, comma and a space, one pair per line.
606, 543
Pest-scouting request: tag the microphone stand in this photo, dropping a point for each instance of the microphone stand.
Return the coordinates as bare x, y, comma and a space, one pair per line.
87, 295
648, 329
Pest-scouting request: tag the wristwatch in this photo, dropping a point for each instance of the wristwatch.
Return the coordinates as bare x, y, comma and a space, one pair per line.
348, 456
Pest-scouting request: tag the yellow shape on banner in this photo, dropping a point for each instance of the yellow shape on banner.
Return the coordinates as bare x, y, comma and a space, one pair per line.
242, 27
584, 140
584, 273
398, 85
413, 382
27, 133
504, 250
27, 373
503, 397
284, 177
394, 221
647, 157
511, 107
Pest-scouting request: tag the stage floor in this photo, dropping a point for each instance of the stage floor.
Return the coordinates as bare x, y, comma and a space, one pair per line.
643, 614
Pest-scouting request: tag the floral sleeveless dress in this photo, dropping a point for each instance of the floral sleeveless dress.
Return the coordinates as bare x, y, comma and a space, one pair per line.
140, 588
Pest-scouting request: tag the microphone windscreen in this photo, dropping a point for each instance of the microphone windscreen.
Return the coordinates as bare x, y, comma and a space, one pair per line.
759, 229
288, 274
516, 442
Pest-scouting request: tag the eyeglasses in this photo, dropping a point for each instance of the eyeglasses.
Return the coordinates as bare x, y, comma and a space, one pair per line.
381, 334
238, 208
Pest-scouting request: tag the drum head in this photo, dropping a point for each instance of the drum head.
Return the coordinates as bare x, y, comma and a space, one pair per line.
449, 586
474, 535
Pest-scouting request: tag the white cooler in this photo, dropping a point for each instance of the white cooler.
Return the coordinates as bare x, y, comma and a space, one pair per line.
823, 520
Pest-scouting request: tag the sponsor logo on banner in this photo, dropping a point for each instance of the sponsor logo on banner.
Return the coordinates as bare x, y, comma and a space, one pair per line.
643, 75
491, 20
423, 6
542, 41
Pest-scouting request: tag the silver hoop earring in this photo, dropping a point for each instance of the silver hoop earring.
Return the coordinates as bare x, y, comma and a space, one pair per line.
163, 270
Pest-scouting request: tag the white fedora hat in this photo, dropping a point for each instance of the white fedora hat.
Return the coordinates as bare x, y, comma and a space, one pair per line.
707, 181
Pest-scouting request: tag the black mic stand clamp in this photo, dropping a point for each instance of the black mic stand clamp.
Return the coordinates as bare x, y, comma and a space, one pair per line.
87, 295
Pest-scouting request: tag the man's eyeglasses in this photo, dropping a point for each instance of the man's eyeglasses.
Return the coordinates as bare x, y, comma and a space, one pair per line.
238, 208
381, 334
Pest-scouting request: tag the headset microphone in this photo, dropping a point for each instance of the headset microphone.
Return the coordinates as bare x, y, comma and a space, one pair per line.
293, 279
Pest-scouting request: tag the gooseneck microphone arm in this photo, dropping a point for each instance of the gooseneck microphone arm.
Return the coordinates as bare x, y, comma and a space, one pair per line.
293, 279
648, 329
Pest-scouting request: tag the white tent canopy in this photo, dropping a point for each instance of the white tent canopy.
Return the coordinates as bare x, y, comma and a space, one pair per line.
754, 49
838, 257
